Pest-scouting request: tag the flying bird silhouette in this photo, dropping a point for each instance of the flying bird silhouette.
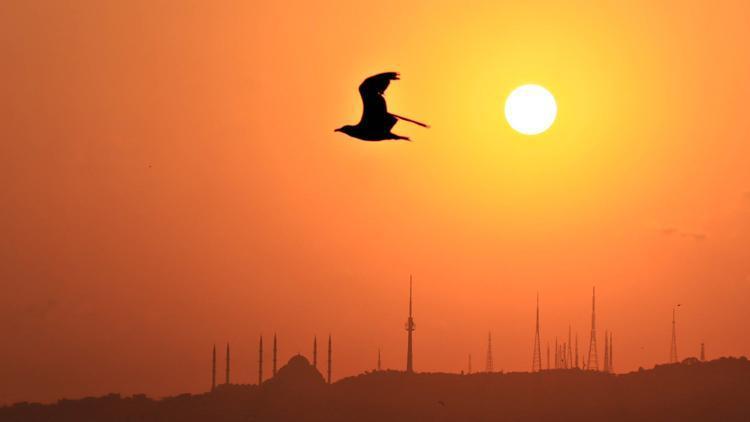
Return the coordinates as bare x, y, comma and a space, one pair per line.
376, 122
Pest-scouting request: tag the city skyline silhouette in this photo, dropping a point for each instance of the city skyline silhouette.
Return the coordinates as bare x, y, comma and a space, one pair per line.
564, 357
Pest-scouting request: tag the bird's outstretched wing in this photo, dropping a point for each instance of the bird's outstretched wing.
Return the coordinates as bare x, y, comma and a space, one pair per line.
374, 110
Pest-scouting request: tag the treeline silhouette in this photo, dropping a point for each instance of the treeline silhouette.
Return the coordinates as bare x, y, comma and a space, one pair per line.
718, 390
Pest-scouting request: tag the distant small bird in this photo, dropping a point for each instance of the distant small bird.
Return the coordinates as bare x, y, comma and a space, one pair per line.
376, 123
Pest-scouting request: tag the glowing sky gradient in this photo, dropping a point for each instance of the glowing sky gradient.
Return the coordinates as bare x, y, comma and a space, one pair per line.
171, 179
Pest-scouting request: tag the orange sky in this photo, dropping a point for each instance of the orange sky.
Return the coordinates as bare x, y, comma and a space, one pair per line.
170, 180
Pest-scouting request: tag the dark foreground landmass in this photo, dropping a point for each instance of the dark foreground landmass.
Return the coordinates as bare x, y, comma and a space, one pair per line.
691, 391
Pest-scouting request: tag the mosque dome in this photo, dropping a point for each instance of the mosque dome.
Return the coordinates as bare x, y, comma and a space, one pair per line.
298, 372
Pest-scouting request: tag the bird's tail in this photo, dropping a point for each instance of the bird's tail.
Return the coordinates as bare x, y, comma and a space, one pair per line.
410, 120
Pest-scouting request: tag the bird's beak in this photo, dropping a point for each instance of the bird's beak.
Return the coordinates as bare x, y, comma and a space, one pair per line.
337, 130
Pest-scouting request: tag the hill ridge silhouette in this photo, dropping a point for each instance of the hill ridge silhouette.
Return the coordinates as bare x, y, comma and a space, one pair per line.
687, 391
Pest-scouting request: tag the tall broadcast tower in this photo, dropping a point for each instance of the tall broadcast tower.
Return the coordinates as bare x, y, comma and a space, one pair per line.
410, 330
673, 349
536, 360
593, 360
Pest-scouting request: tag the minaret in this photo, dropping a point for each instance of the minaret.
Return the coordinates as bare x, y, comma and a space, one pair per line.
379, 367
593, 360
213, 370
673, 349
576, 362
329, 358
569, 356
260, 362
275, 352
227, 382
611, 366
536, 360
490, 366
315, 352
606, 352
548, 367
703, 352
469, 363
410, 330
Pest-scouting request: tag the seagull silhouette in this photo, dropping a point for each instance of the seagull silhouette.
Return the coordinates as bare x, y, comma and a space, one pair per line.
376, 122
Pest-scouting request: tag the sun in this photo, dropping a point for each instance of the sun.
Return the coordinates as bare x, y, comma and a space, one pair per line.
530, 109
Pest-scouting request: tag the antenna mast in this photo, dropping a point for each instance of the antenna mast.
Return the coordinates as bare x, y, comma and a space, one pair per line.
227, 363
673, 349
593, 360
536, 360
490, 364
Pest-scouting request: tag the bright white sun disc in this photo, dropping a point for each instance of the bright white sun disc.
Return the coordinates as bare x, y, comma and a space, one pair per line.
530, 109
